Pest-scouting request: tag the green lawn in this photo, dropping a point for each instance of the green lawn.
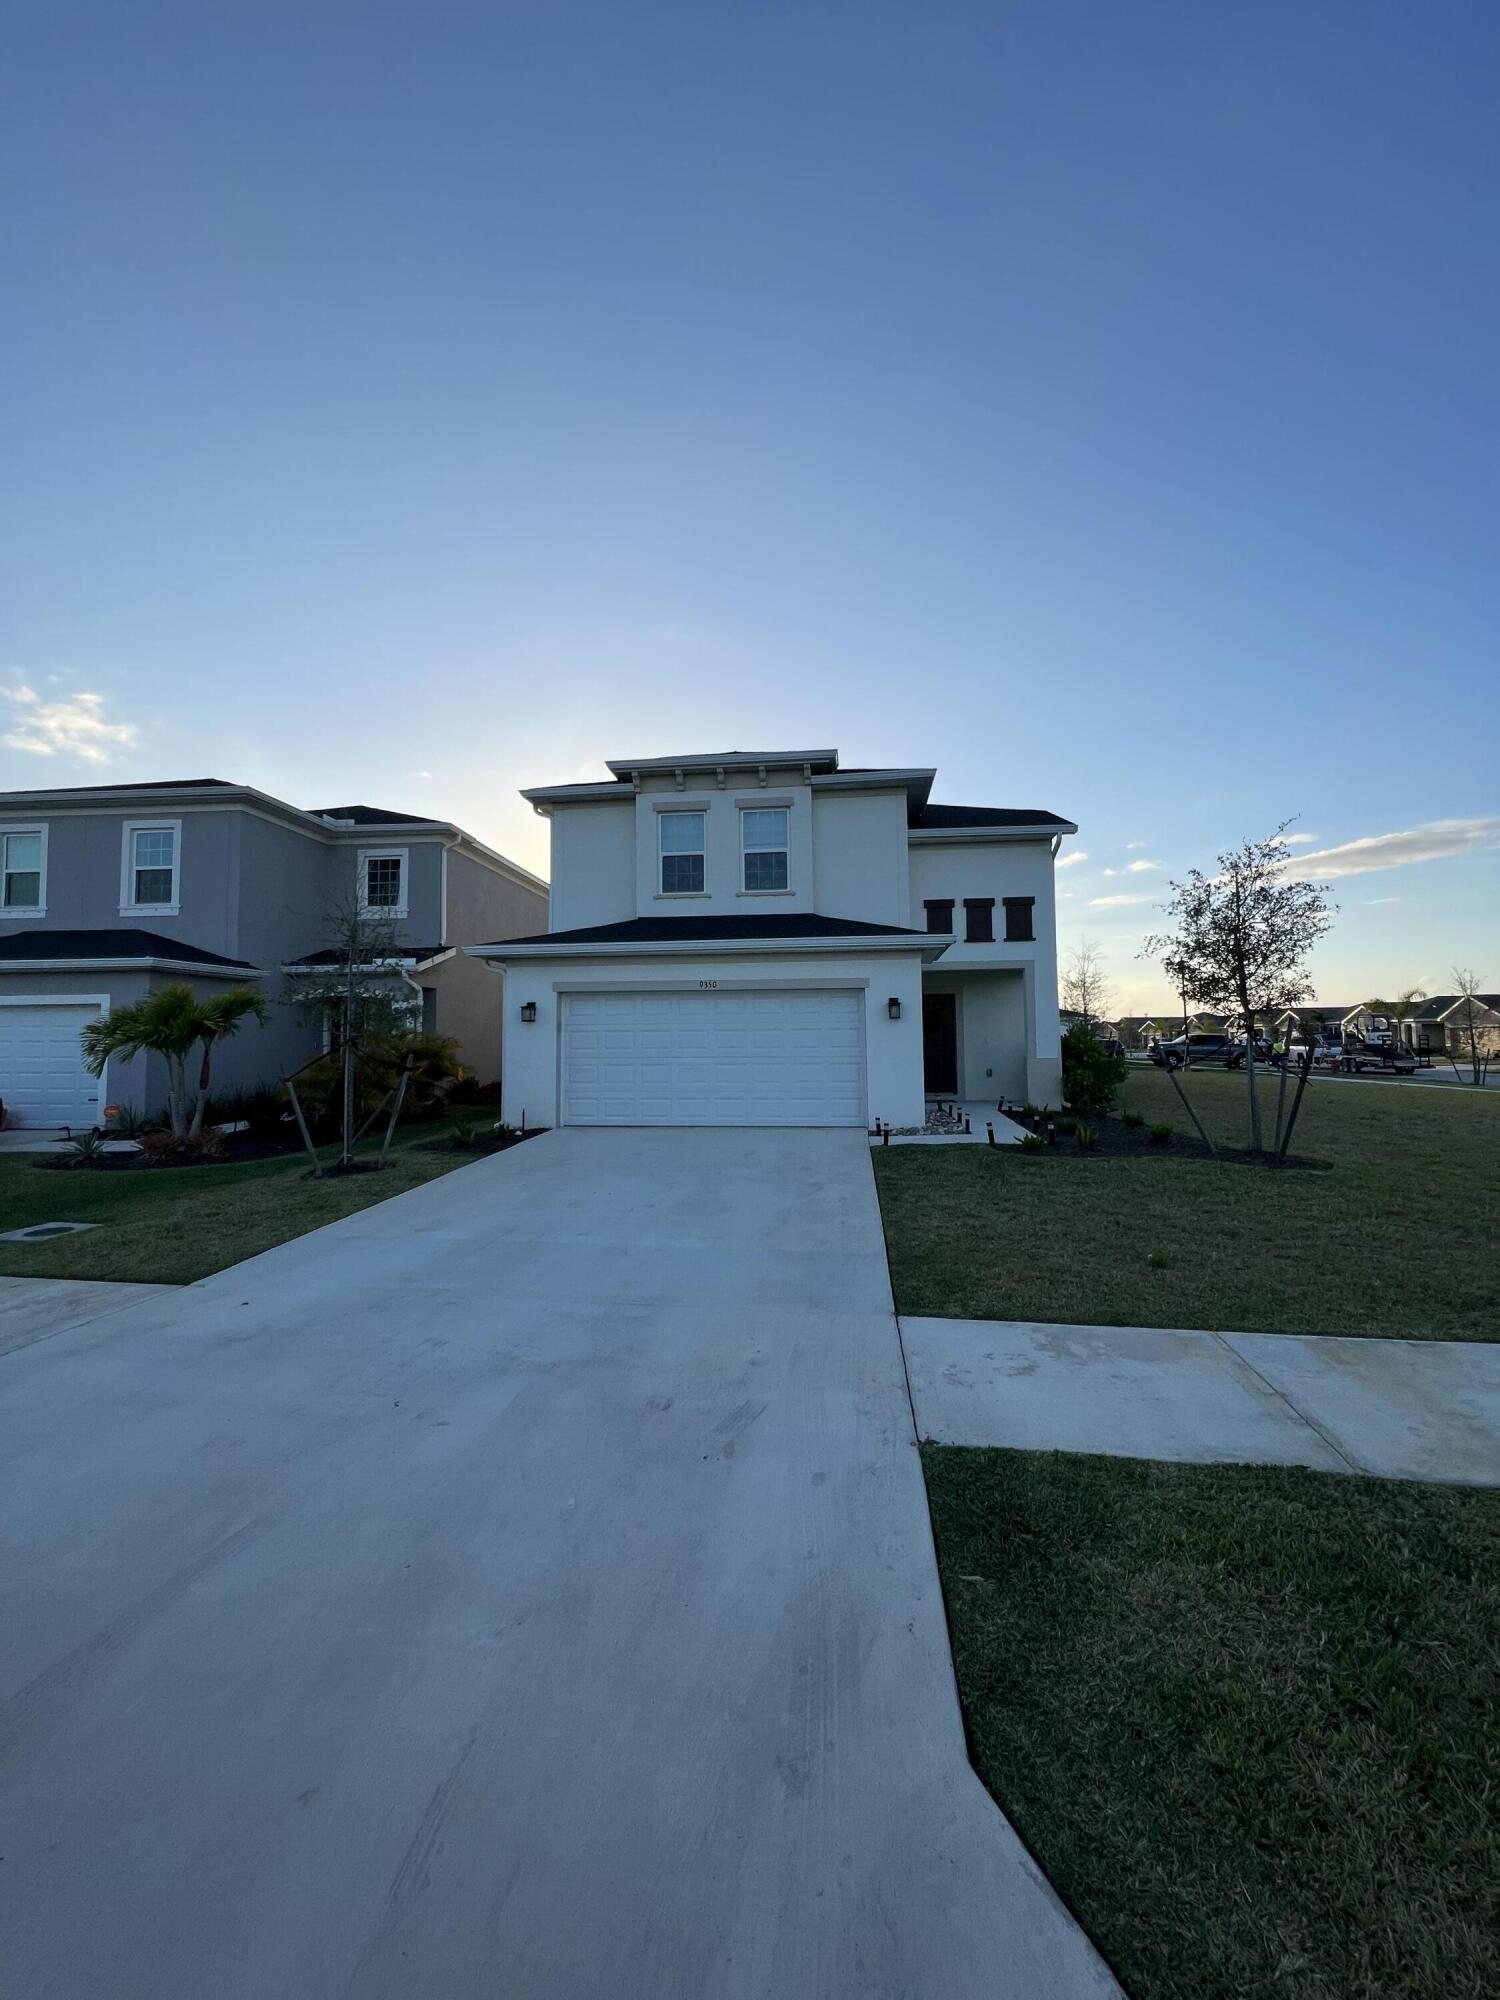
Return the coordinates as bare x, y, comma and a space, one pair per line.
1398, 1238
1244, 1717
174, 1224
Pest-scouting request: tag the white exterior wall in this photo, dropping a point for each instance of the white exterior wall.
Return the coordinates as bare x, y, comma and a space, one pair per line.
533, 1052
593, 865
846, 854
991, 1014
1000, 868
859, 856
723, 892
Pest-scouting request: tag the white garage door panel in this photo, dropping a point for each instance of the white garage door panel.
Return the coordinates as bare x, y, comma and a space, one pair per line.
794, 1058
42, 1077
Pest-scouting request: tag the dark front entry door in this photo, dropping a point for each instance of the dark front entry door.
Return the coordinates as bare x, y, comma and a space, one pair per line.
940, 1042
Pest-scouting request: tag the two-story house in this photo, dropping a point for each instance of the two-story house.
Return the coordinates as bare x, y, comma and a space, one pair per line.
765, 938
108, 892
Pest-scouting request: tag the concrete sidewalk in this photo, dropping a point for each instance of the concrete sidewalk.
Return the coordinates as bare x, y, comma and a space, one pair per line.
522, 1586
33, 1309
1397, 1409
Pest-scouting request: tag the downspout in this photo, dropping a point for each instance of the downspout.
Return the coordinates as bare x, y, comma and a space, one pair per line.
448, 847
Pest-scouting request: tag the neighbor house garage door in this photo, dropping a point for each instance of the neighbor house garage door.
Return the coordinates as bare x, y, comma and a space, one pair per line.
793, 1058
42, 1077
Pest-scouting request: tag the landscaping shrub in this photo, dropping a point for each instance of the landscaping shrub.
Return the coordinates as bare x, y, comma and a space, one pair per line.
161, 1149
1092, 1077
1033, 1143
1087, 1137
1161, 1135
1132, 1120
435, 1074
261, 1109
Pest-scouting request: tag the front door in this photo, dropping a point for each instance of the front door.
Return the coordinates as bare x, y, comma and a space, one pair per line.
940, 1043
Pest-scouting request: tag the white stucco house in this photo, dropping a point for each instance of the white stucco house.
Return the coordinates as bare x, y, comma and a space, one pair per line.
766, 938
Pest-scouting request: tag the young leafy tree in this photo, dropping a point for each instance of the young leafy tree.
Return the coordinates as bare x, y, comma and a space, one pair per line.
1239, 939
171, 1023
1084, 988
357, 990
1471, 1025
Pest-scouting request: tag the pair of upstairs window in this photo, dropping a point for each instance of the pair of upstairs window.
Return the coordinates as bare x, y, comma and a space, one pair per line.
979, 918
763, 851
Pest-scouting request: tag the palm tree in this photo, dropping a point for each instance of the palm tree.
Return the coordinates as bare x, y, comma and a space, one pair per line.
1404, 1006
171, 1023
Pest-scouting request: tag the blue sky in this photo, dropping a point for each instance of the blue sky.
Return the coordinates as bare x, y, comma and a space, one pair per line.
1096, 401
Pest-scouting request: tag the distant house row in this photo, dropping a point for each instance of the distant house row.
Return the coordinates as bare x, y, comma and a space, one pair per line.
1438, 1027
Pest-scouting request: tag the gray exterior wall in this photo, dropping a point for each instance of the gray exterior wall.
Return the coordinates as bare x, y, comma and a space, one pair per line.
253, 1056
251, 887
482, 905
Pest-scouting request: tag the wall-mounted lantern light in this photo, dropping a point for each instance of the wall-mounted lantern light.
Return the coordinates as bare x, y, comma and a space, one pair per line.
893, 1008
528, 1010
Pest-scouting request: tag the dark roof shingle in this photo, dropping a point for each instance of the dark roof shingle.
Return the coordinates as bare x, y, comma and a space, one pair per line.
934, 815
27, 946
710, 930
372, 816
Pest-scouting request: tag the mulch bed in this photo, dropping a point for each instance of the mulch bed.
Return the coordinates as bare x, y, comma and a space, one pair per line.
483, 1142
1114, 1140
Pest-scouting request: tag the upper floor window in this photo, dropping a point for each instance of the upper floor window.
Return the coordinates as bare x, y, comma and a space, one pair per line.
23, 862
1018, 919
979, 919
764, 841
681, 837
150, 866
939, 915
382, 881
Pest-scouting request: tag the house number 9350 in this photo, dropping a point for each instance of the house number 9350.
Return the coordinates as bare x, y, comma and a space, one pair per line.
708, 985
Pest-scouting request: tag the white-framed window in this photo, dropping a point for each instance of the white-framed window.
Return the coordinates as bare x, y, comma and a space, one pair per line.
763, 843
149, 867
681, 838
23, 871
383, 878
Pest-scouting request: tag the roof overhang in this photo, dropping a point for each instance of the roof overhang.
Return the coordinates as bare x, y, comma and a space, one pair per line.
726, 760
209, 798
189, 966
929, 945
396, 963
916, 783
966, 836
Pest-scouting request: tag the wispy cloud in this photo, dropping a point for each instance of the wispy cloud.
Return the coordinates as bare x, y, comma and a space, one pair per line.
1109, 871
1300, 839
1132, 845
1375, 902
1434, 840
1072, 860
1115, 902
72, 726
1142, 867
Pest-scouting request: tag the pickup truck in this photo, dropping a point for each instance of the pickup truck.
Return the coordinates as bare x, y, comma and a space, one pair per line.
1184, 1050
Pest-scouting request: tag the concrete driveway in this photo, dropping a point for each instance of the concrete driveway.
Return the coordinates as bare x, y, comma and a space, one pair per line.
521, 1588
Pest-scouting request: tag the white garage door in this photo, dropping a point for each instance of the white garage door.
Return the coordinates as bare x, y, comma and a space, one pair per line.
795, 1058
42, 1077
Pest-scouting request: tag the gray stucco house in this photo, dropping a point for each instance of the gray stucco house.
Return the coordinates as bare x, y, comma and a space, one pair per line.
109, 891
